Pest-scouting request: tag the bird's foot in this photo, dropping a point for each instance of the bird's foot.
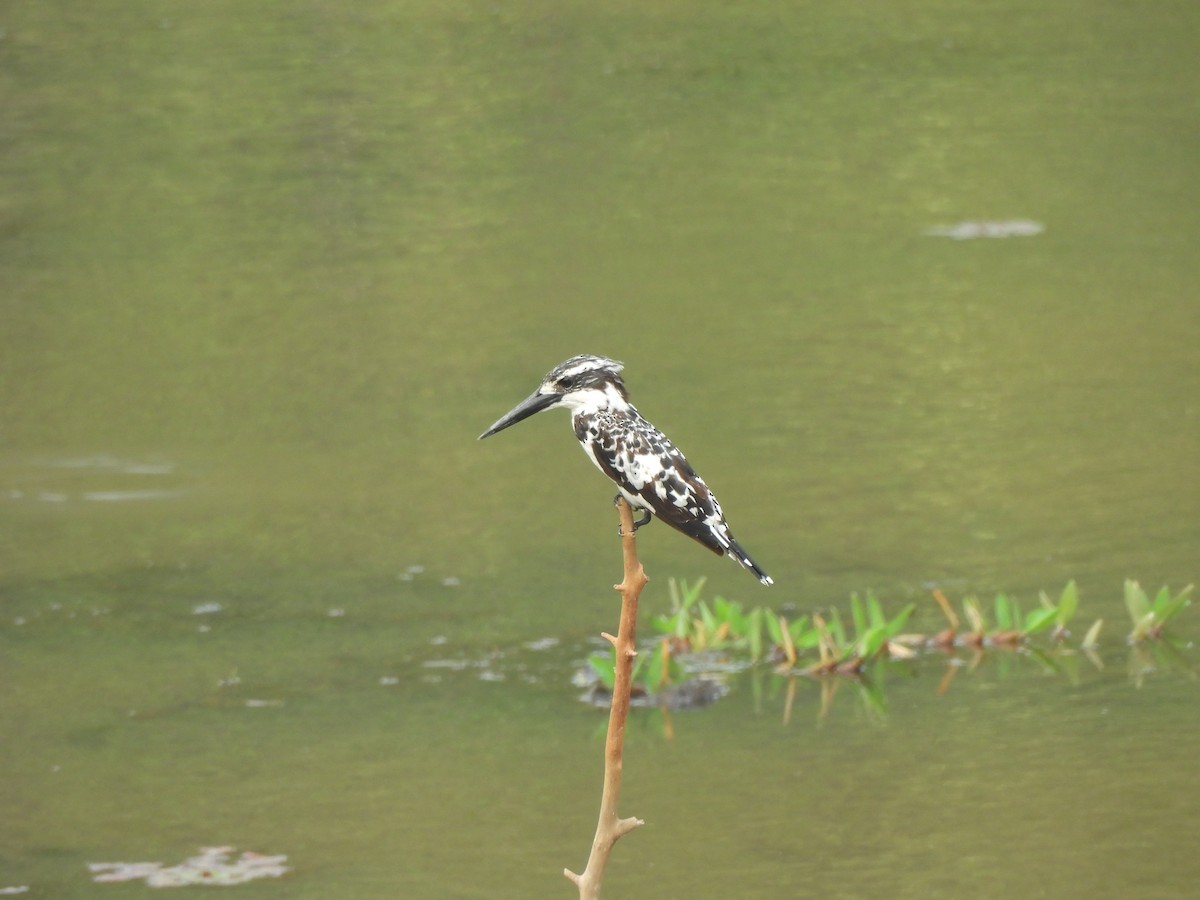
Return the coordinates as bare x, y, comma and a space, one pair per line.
644, 520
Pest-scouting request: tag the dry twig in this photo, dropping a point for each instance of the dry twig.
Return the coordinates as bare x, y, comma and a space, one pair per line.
610, 827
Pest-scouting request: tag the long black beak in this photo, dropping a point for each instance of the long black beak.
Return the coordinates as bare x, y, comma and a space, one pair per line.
534, 403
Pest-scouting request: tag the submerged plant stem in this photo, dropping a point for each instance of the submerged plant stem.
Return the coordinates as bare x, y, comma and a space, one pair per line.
611, 827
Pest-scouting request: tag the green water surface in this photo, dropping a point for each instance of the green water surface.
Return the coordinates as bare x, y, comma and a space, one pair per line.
267, 270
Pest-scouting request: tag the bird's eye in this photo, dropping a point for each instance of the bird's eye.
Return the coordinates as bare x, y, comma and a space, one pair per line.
564, 382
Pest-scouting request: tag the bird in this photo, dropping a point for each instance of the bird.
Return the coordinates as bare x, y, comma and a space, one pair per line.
648, 470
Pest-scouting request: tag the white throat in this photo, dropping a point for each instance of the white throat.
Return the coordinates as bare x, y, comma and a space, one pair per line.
592, 400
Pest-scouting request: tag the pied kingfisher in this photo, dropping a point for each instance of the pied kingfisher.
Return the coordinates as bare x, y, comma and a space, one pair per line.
647, 468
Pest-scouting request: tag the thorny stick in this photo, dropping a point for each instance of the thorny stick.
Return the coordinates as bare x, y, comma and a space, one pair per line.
610, 827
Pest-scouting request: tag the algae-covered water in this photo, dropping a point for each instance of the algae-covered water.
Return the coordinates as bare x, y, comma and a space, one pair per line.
914, 285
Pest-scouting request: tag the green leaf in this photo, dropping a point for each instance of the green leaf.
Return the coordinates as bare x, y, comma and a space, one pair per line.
754, 625
873, 697
662, 624
1166, 606
894, 626
683, 625
1068, 602
836, 629
675, 670
872, 641
1004, 619
639, 663
1136, 602
722, 608
874, 610
1161, 599
1037, 620
733, 615
858, 615
676, 623
605, 668
806, 637
774, 629
657, 677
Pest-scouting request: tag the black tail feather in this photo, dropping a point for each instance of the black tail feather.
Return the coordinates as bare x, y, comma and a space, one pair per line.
742, 558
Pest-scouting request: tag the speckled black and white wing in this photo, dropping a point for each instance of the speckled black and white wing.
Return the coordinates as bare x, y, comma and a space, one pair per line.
653, 475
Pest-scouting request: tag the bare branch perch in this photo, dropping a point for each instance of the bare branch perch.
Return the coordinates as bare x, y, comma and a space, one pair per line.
610, 827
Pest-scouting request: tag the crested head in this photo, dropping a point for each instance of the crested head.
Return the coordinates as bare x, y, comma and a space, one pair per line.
582, 383
583, 372
586, 383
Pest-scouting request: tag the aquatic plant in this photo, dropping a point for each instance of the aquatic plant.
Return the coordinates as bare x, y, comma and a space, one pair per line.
1064, 610
873, 630
692, 624
701, 641
652, 671
846, 646
1150, 618
1010, 627
788, 638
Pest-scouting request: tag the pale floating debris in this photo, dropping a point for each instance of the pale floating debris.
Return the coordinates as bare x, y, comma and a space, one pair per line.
336, 613
410, 572
389, 680
437, 640
203, 629
85, 462
112, 463
260, 704
124, 496
52, 497
204, 609
450, 581
542, 643
15, 889
456, 664
126, 871
148, 468
212, 866
982, 228
491, 675
19, 620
